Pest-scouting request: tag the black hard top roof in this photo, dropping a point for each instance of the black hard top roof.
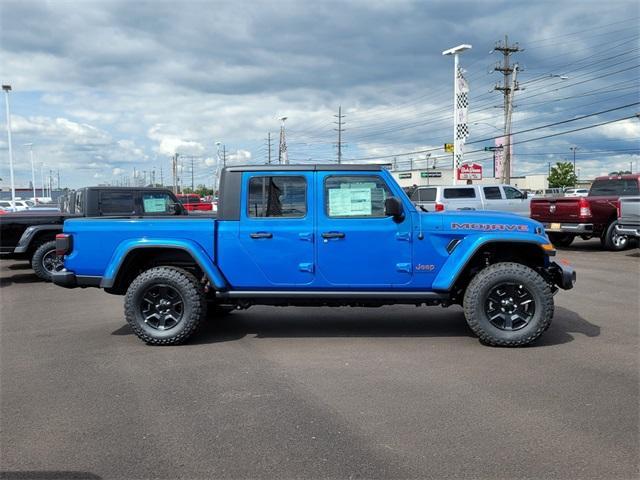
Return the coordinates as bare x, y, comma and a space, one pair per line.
372, 167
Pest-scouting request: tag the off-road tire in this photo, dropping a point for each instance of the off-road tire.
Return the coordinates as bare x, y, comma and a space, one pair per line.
476, 295
561, 239
37, 260
193, 297
614, 241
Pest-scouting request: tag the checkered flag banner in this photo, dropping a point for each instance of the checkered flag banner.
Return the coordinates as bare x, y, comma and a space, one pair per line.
284, 157
462, 108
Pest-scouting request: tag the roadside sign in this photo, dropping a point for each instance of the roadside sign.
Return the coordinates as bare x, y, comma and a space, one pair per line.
470, 171
405, 175
448, 147
431, 174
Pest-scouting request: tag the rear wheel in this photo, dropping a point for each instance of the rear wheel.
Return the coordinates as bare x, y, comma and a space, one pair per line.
45, 261
561, 239
165, 305
612, 240
508, 304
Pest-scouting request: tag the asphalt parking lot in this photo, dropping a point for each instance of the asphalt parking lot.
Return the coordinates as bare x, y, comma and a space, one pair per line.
394, 392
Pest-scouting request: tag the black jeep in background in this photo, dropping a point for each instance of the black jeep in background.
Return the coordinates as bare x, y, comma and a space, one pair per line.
30, 235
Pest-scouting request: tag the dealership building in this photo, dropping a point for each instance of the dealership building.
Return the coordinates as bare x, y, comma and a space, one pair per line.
444, 176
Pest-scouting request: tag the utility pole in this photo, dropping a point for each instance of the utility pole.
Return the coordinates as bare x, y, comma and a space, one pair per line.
283, 156
174, 172
161, 178
58, 179
573, 149
269, 147
33, 171
193, 187
508, 89
339, 130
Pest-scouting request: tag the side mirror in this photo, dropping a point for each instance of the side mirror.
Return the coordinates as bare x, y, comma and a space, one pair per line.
393, 208
178, 209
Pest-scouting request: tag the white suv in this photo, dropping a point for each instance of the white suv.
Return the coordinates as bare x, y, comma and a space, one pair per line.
472, 197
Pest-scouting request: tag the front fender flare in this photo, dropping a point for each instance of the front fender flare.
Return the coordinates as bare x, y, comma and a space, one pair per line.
468, 247
204, 261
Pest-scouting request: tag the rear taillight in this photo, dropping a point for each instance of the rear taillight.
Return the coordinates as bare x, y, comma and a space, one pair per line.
63, 244
585, 209
439, 207
618, 208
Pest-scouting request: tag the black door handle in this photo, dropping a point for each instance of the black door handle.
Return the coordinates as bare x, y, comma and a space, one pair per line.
333, 235
261, 235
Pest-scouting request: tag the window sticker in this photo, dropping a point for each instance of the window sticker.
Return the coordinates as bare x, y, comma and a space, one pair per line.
349, 202
155, 204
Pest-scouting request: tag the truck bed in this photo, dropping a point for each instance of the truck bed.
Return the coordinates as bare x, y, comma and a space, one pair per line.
113, 236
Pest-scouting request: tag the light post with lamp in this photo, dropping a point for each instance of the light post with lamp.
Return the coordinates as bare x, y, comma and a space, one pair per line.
7, 89
458, 102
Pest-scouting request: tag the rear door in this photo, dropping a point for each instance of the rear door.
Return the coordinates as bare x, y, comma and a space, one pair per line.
358, 246
461, 198
493, 198
276, 229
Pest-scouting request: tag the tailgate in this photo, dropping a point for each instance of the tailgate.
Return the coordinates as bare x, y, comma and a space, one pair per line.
561, 209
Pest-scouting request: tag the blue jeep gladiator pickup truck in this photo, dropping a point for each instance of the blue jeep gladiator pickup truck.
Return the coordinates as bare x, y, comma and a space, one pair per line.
318, 235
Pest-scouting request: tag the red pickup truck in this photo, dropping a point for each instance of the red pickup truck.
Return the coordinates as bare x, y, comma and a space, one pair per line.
191, 202
595, 215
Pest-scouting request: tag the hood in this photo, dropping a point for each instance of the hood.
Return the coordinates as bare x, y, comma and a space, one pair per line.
487, 221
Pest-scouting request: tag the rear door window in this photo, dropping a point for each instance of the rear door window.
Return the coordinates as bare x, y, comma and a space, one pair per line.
424, 195
452, 193
117, 203
277, 196
492, 193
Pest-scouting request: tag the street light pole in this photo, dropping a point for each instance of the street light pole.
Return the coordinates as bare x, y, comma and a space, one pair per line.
33, 170
573, 149
7, 89
458, 143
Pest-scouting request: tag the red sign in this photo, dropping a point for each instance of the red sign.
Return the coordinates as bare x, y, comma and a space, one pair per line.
470, 171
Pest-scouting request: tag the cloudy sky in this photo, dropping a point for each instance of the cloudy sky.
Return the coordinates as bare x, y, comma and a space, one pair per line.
101, 88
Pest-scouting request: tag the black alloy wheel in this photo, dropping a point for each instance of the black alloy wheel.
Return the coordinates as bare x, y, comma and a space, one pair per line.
52, 262
510, 306
162, 307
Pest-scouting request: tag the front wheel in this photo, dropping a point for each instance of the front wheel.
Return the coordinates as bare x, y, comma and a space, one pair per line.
508, 304
165, 305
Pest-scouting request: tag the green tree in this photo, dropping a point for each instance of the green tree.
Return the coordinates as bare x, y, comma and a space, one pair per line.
562, 175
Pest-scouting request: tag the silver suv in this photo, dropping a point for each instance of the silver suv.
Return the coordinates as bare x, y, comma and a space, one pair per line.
472, 197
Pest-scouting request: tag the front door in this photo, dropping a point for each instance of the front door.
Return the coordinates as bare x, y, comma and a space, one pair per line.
276, 230
358, 246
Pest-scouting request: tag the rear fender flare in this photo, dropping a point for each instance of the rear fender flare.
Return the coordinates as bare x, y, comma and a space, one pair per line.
470, 245
204, 261
30, 233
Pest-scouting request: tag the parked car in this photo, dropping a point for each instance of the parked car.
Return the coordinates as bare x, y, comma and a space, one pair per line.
30, 235
193, 203
317, 235
576, 192
15, 205
595, 215
472, 197
629, 217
